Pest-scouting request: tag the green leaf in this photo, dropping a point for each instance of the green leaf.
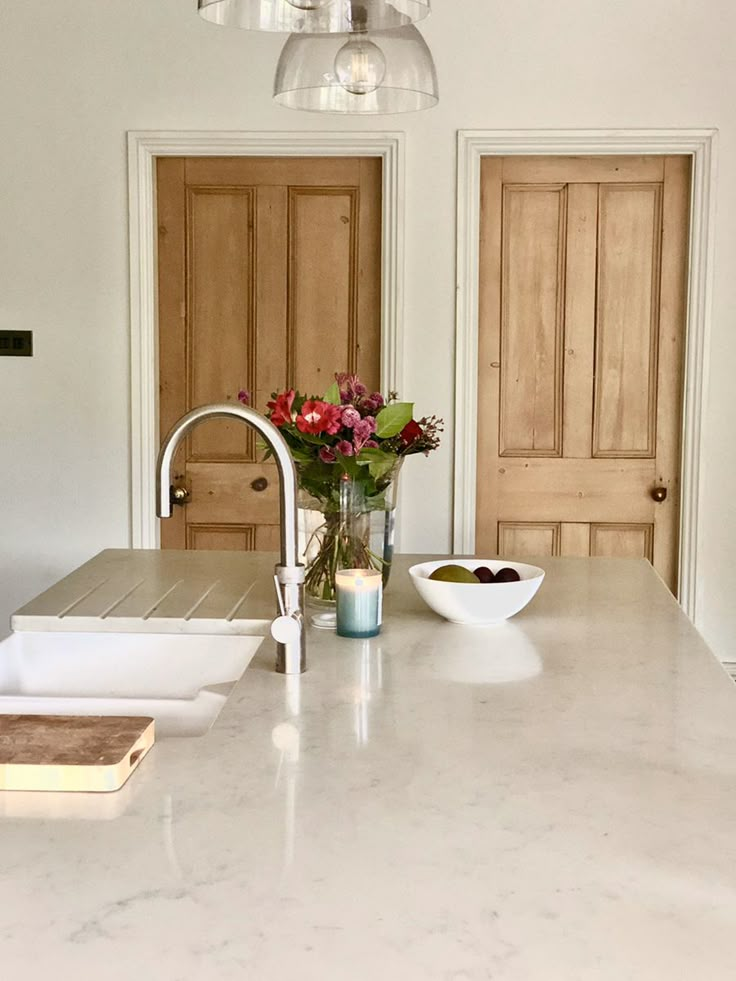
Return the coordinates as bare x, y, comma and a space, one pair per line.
349, 464
392, 418
379, 463
314, 438
332, 395
367, 455
379, 470
301, 456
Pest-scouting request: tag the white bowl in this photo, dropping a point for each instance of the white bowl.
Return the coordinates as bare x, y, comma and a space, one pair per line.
481, 603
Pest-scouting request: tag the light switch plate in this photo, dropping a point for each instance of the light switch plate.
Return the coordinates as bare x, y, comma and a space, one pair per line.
16, 343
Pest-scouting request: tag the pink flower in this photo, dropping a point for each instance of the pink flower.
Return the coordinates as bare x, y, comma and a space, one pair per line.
318, 417
334, 419
362, 432
370, 444
372, 403
350, 386
344, 448
244, 397
350, 416
281, 412
326, 455
345, 385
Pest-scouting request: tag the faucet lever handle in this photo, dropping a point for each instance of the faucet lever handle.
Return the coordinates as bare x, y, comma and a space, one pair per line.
279, 595
286, 630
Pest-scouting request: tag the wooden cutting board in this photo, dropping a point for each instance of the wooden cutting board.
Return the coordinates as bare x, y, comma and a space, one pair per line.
64, 752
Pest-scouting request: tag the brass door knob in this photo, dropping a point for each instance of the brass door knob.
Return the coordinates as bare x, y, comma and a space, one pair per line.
259, 484
178, 494
659, 494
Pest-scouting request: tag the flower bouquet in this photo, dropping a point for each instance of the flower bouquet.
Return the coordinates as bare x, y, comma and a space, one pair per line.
348, 446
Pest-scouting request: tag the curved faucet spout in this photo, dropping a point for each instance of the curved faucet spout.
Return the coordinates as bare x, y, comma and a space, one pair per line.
291, 657
277, 443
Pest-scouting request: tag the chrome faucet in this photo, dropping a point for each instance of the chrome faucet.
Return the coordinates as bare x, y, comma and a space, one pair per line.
288, 628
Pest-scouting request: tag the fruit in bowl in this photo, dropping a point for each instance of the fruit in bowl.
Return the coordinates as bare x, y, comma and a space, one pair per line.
476, 591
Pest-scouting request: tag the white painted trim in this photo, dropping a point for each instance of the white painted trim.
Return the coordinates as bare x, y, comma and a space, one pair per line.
143, 149
700, 144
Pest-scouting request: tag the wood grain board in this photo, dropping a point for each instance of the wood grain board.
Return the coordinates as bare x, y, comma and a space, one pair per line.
71, 753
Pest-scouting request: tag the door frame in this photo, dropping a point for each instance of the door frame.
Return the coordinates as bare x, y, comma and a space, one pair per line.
144, 147
700, 145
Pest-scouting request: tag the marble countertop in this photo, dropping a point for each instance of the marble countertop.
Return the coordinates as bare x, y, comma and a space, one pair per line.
552, 799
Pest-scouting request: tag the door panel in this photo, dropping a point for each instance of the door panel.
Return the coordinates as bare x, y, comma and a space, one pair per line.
239, 538
528, 538
580, 311
221, 285
323, 263
627, 322
629, 541
583, 271
269, 278
531, 332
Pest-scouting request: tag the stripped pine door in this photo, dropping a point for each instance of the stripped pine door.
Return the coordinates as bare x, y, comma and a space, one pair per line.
583, 281
269, 276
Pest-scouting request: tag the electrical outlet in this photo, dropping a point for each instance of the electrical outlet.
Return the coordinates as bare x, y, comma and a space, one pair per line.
16, 343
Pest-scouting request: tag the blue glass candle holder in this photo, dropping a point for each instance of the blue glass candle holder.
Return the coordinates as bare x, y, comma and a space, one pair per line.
359, 595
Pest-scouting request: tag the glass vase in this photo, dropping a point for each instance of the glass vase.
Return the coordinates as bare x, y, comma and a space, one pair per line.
348, 530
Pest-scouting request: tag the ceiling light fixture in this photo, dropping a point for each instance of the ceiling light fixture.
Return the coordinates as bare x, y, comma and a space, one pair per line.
360, 73
313, 16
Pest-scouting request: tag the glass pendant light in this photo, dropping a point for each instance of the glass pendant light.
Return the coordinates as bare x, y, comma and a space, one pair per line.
360, 73
313, 16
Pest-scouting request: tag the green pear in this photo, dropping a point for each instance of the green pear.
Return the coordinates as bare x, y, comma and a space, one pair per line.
454, 573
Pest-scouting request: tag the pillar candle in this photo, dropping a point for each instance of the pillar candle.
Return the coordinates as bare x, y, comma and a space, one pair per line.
359, 594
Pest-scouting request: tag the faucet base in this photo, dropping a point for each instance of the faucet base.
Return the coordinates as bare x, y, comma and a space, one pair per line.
289, 629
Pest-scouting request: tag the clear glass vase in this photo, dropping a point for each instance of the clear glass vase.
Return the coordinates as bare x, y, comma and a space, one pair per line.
345, 531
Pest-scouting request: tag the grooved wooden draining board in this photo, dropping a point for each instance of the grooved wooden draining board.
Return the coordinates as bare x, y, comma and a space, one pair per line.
78, 753
154, 590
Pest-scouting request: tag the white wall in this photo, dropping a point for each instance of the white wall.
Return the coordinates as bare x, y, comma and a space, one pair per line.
77, 76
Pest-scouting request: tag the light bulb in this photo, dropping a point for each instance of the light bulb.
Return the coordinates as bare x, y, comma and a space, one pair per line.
360, 66
309, 4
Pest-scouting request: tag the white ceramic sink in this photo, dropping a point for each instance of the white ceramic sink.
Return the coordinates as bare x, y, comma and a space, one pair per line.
182, 680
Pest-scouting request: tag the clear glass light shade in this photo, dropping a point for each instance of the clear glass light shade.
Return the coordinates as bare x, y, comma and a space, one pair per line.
314, 16
367, 73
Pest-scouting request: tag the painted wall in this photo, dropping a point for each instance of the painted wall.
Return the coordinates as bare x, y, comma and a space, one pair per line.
77, 76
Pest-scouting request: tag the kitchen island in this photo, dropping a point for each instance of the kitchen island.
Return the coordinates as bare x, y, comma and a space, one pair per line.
551, 799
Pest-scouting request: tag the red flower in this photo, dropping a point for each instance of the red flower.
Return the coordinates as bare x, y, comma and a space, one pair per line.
319, 417
410, 433
281, 408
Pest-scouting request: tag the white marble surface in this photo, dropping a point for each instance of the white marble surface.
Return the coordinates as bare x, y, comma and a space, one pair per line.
553, 799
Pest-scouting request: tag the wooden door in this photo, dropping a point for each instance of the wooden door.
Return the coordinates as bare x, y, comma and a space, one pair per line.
583, 280
269, 277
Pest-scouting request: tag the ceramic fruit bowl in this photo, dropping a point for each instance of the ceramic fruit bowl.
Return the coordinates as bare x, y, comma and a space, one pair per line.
481, 604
